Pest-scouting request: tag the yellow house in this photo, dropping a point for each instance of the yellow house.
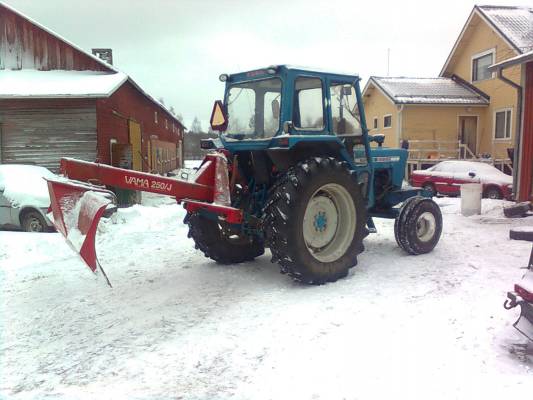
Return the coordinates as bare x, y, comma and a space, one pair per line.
467, 111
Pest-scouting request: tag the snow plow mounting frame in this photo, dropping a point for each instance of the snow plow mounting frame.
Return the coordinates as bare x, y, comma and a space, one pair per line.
79, 202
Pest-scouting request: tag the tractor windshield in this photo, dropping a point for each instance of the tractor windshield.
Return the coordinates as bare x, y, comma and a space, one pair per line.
253, 109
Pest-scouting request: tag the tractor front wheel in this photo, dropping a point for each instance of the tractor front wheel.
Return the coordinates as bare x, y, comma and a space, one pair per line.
221, 245
418, 225
314, 221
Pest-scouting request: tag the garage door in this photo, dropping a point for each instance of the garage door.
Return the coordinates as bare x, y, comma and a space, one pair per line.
42, 137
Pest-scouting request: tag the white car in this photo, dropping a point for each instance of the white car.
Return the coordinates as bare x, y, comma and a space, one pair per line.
24, 198
447, 177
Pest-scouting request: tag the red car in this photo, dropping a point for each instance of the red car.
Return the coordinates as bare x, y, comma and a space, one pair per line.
446, 178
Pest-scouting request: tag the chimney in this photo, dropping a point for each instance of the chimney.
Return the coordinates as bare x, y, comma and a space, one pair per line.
104, 54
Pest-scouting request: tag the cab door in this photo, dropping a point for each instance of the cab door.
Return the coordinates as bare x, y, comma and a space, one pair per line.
344, 118
309, 101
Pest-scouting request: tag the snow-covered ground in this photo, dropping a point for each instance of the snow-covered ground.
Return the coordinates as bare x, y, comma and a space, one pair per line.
176, 325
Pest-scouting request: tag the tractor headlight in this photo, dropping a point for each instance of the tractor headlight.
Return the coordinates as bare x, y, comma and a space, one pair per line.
223, 77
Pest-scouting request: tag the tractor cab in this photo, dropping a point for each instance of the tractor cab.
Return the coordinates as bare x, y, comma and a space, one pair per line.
280, 105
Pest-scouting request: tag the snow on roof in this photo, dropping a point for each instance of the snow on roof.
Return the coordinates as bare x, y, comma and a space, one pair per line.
514, 22
57, 83
83, 85
404, 90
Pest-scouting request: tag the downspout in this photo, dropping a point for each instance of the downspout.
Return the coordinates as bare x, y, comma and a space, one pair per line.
399, 127
516, 152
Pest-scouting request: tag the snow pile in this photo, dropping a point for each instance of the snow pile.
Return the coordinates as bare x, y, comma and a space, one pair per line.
177, 325
25, 184
58, 83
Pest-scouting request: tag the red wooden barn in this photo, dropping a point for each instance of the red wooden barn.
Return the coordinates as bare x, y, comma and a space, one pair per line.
523, 163
56, 100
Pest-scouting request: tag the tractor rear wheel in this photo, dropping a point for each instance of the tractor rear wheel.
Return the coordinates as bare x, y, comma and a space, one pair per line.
418, 225
314, 221
221, 245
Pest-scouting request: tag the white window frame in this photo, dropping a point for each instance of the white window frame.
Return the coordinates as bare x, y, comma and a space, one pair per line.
479, 55
504, 110
155, 117
375, 123
385, 116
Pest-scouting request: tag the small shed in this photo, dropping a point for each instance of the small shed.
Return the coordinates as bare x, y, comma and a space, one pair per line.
57, 100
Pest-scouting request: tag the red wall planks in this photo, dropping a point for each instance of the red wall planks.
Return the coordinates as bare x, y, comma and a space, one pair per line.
526, 163
26, 45
128, 103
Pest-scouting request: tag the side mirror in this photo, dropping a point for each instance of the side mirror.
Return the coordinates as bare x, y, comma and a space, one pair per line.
287, 127
472, 174
219, 117
275, 108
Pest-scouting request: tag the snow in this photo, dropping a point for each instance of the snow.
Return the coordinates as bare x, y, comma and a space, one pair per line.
486, 173
25, 185
516, 23
177, 325
40, 84
441, 90
88, 205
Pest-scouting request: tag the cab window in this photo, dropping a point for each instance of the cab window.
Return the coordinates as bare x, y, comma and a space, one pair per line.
309, 104
344, 110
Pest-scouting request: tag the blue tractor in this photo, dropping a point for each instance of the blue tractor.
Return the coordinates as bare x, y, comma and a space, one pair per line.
307, 176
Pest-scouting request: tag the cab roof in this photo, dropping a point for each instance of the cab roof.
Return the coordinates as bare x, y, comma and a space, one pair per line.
286, 68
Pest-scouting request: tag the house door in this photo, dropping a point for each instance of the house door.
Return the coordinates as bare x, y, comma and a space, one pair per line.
468, 135
135, 141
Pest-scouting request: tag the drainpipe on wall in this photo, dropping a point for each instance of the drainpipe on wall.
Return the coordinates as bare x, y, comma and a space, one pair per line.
516, 153
399, 127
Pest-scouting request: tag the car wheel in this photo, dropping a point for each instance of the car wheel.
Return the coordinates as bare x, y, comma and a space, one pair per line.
32, 221
493, 193
429, 187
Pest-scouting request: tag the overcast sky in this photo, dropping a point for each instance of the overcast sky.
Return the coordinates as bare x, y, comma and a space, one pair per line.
176, 49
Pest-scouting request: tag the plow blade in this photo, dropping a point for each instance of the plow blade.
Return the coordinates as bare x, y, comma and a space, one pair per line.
77, 209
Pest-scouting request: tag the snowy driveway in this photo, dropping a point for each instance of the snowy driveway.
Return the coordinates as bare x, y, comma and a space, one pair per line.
177, 325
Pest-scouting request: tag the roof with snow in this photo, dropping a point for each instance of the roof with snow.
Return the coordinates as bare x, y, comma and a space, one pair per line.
402, 90
35, 83
58, 83
513, 22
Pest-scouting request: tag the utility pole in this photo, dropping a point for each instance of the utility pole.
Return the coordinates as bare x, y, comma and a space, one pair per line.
388, 61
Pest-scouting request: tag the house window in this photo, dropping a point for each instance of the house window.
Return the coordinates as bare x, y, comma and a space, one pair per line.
387, 121
155, 117
166, 123
480, 66
502, 124
375, 122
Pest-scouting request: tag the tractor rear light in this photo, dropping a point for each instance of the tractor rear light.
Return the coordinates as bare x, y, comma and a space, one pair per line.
283, 141
524, 293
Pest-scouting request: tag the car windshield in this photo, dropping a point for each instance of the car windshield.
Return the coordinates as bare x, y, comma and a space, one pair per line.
253, 109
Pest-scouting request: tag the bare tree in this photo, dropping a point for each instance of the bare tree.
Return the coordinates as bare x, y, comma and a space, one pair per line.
196, 126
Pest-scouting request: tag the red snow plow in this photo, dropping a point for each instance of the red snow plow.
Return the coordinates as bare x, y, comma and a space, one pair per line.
79, 202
